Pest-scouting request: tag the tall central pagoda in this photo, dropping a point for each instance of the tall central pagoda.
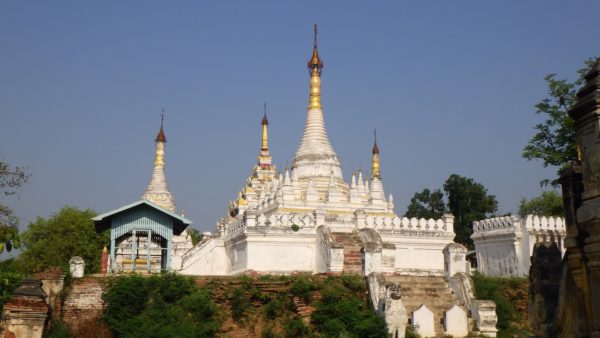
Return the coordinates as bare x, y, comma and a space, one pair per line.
309, 218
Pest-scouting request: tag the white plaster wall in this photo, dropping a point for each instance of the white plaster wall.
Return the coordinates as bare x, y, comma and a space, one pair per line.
281, 254
419, 255
207, 259
237, 252
322, 251
504, 244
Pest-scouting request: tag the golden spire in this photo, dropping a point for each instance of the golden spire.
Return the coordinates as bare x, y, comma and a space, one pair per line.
264, 159
265, 135
315, 67
375, 166
161, 139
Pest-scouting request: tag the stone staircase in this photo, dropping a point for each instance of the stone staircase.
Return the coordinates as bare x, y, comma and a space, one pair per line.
352, 255
433, 291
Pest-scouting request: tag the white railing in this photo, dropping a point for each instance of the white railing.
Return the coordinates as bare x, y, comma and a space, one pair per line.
532, 222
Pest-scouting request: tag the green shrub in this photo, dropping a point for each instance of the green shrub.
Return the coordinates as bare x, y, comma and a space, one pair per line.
340, 311
354, 283
274, 309
269, 331
240, 304
496, 289
165, 305
302, 287
295, 327
411, 332
9, 281
57, 330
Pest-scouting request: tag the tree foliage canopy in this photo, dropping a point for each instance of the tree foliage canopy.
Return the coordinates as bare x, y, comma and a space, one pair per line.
426, 204
11, 181
549, 203
68, 233
468, 201
554, 140
195, 235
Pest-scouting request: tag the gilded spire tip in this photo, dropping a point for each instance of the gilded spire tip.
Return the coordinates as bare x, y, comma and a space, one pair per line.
375, 147
160, 137
375, 165
265, 121
315, 65
315, 68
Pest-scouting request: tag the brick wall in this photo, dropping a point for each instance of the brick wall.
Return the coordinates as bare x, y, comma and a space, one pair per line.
83, 301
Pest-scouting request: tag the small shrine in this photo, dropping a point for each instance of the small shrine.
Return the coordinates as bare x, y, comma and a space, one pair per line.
146, 235
141, 236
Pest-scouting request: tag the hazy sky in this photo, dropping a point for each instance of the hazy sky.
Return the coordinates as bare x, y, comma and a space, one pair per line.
449, 85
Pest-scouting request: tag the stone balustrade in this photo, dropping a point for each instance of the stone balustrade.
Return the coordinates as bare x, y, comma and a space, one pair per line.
309, 220
532, 222
504, 245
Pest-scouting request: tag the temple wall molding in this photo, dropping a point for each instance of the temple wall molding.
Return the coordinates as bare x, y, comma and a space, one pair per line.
504, 245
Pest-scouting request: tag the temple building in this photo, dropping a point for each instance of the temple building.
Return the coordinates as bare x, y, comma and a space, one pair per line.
309, 219
147, 235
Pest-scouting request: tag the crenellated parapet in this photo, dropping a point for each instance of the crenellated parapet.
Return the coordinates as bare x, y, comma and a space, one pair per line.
504, 245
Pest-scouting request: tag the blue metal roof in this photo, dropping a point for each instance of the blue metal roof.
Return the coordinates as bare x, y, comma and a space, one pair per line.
135, 204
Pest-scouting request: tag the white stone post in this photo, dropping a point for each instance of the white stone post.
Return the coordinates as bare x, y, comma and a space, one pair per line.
454, 259
422, 318
250, 218
319, 217
360, 218
448, 222
455, 322
77, 266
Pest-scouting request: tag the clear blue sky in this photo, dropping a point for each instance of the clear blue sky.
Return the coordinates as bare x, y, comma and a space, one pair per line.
449, 85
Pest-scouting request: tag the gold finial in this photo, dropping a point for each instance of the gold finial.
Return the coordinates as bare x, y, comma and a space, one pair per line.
315, 68
159, 157
375, 147
375, 166
160, 137
265, 136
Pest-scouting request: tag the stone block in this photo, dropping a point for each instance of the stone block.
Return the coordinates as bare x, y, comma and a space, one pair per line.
455, 322
77, 266
454, 259
422, 319
484, 313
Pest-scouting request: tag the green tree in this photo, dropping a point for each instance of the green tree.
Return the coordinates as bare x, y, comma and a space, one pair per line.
468, 201
11, 181
549, 203
195, 235
167, 305
426, 204
68, 233
554, 140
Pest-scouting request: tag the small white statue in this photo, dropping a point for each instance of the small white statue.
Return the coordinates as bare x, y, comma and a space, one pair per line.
77, 266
